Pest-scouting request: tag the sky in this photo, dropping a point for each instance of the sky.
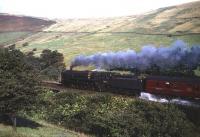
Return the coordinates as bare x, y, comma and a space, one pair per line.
83, 8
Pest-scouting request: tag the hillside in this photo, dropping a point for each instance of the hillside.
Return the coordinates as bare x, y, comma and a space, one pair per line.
14, 28
73, 37
175, 19
10, 23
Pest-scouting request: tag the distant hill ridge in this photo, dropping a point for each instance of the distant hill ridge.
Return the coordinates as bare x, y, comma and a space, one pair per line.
174, 19
9, 23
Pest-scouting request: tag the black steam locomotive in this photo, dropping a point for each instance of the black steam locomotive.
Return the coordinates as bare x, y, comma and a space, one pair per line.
130, 84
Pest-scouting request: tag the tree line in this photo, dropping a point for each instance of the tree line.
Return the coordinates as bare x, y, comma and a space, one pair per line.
21, 75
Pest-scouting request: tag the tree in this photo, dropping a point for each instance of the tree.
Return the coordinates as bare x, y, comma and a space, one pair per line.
52, 63
19, 85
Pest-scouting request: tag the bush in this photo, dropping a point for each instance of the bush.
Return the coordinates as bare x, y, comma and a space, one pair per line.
50, 64
109, 116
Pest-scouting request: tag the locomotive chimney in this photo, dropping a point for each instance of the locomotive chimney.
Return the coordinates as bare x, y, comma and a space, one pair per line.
71, 67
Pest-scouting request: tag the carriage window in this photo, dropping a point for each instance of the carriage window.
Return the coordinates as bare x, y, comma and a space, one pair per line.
174, 84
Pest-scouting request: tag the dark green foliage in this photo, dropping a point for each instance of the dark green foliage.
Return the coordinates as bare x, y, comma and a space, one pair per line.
12, 46
18, 82
33, 61
50, 64
51, 58
109, 116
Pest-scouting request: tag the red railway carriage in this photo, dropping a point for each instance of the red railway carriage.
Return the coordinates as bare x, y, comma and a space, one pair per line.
173, 86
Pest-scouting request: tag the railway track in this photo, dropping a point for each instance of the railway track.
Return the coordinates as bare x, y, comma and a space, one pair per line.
58, 87
53, 85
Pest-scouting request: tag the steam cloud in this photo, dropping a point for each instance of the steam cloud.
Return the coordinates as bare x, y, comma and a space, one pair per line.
163, 57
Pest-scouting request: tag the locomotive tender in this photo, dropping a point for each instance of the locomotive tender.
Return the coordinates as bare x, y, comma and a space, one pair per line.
130, 84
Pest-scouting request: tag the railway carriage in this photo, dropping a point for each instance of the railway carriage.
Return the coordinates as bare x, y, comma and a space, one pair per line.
173, 86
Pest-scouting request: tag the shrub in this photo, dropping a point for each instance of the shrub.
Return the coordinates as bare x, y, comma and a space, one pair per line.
109, 116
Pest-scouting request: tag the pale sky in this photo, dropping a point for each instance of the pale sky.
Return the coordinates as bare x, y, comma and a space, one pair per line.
83, 8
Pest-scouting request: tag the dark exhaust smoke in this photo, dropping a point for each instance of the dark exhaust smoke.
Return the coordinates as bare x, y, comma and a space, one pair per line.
178, 54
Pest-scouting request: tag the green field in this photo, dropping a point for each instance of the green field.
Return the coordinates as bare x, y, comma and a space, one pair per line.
77, 44
11, 37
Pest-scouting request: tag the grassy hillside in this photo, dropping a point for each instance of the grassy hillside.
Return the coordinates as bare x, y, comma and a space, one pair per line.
16, 28
87, 36
44, 129
175, 19
7, 38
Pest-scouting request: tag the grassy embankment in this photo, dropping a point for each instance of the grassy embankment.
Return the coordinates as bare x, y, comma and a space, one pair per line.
36, 128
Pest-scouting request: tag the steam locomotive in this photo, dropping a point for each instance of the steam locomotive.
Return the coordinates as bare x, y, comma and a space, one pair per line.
129, 84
